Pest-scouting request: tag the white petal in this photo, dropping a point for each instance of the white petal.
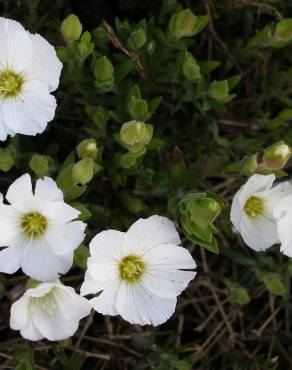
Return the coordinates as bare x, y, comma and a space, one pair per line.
4, 130
46, 66
105, 302
60, 212
47, 190
169, 256
90, 286
53, 326
17, 47
19, 313
107, 243
10, 259
255, 184
10, 223
31, 332
283, 215
64, 238
138, 305
79, 306
20, 189
259, 233
150, 232
166, 283
236, 212
40, 263
102, 268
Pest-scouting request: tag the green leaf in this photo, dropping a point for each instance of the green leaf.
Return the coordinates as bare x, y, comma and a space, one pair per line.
273, 282
123, 69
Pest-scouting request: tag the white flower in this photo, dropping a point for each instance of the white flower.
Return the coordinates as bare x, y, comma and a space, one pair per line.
50, 310
139, 273
29, 72
252, 210
283, 216
38, 230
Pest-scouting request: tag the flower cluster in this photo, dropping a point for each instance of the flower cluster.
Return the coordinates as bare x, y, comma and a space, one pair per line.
137, 274
262, 214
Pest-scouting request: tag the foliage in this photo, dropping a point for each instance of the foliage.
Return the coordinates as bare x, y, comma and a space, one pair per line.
165, 108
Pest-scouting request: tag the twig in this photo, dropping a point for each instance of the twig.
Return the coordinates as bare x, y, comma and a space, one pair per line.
218, 39
261, 6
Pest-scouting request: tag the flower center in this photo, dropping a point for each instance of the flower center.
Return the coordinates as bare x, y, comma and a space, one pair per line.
254, 206
47, 303
131, 269
10, 84
34, 224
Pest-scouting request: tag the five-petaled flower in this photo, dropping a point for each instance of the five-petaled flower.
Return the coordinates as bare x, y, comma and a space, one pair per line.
29, 72
38, 230
252, 210
139, 273
50, 310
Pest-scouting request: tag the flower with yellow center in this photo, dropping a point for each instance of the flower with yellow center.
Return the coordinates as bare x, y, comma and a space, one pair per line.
252, 210
29, 72
42, 312
39, 229
140, 273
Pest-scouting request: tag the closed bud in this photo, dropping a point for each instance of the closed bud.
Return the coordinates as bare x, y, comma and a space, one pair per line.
185, 23
219, 91
191, 69
82, 171
284, 30
6, 159
136, 132
39, 164
87, 149
128, 160
71, 28
277, 155
138, 108
249, 164
103, 69
137, 39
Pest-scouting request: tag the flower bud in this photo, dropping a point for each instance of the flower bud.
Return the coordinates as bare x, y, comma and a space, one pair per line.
128, 160
136, 132
284, 30
71, 28
249, 164
39, 164
277, 155
82, 171
191, 69
219, 91
87, 149
6, 159
138, 108
137, 39
184, 23
103, 69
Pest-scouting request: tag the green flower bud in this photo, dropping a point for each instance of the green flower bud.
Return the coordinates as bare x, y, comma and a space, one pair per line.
39, 164
6, 159
249, 164
82, 171
103, 69
87, 149
185, 23
191, 69
71, 28
137, 39
284, 30
138, 108
277, 155
219, 91
128, 160
136, 132
100, 36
